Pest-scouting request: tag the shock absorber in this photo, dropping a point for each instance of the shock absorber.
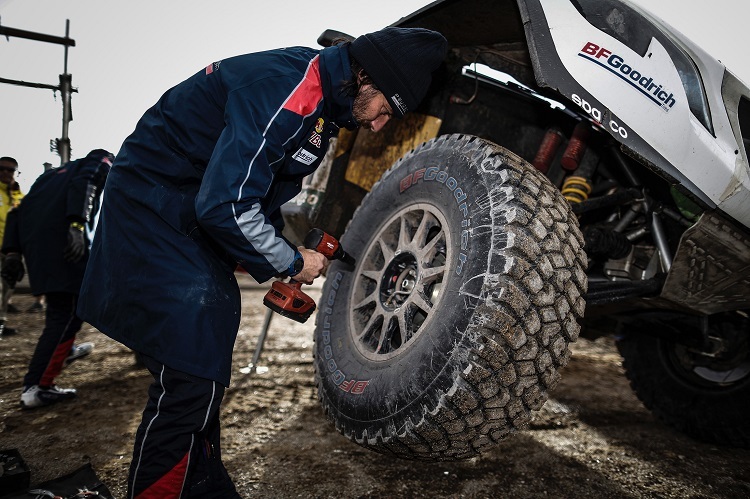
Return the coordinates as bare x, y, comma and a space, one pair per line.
576, 158
576, 189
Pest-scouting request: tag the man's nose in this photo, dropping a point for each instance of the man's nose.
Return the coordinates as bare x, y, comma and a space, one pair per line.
379, 122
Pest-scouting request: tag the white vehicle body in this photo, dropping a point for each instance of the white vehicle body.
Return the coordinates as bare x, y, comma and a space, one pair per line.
644, 94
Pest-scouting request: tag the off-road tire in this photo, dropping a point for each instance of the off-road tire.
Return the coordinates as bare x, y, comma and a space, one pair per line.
712, 405
475, 261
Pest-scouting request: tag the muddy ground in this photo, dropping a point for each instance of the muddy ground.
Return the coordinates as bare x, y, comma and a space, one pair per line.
592, 439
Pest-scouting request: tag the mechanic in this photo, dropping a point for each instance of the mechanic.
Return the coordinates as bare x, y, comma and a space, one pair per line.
195, 191
48, 231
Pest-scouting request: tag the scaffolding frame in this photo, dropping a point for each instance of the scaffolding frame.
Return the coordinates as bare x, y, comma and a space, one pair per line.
65, 87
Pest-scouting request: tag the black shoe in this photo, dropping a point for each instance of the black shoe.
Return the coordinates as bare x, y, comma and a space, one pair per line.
7, 331
36, 307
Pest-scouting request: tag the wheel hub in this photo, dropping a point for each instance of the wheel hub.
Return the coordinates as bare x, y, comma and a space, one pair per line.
399, 280
724, 358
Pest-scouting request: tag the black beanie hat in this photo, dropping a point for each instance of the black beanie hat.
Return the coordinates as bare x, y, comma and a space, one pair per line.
400, 62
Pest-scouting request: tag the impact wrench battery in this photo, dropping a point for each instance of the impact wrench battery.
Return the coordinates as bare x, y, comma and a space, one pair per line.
287, 299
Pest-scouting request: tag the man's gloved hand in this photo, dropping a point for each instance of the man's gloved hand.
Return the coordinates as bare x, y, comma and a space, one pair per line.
76, 247
13, 269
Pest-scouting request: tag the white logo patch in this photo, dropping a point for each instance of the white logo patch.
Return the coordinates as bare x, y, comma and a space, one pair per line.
399, 103
304, 157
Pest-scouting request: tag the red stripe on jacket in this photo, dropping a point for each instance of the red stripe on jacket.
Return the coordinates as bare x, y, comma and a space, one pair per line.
308, 94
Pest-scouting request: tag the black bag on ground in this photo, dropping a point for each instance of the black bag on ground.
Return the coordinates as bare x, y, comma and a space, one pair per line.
70, 486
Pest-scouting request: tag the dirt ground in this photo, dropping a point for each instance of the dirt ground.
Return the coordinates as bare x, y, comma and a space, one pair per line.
593, 438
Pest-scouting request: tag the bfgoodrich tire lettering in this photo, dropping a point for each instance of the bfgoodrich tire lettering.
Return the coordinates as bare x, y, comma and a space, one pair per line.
457, 318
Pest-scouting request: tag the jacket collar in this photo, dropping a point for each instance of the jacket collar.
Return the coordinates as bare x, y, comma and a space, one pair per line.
335, 70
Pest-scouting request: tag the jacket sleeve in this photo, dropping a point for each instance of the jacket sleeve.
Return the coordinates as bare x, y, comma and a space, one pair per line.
240, 175
11, 239
85, 186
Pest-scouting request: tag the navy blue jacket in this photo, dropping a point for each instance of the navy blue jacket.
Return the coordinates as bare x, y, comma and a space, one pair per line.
197, 189
38, 228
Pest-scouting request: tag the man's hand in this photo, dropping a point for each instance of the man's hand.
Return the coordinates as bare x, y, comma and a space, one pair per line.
13, 269
315, 264
76, 247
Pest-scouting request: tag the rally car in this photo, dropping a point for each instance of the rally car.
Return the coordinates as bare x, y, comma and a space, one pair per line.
578, 167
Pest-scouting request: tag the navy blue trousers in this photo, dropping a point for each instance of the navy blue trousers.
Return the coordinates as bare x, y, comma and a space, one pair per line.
61, 324
177, 451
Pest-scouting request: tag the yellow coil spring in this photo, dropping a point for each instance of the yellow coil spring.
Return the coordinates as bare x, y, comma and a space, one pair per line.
576, 189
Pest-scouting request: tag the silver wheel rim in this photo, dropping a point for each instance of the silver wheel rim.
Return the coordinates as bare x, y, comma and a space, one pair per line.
398, 281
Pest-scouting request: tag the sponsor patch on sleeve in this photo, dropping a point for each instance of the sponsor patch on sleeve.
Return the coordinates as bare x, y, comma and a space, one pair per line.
304, 157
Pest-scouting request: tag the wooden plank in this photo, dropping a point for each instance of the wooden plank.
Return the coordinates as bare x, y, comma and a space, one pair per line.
373, 153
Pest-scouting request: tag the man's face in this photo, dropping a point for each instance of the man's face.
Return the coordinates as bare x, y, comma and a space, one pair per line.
7, 170
371, 108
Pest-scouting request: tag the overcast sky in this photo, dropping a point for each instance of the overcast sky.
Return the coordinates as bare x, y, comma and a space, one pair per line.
128, 53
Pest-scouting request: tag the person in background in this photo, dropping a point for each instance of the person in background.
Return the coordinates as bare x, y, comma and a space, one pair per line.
10, 197
48, 231
195, 191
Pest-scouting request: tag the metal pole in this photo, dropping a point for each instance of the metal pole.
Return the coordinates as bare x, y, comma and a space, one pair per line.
61, 145
40, 37
66, 85
261, 339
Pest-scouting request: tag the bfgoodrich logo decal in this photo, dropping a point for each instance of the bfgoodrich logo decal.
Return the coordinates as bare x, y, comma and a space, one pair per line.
618, 66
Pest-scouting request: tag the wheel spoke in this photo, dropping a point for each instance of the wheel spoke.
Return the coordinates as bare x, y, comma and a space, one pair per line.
431, 274
383, 333
421, 232
403, 233
385, 250
370, 299
429, 246
369, 327
403, 328
419, 300
371, 274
